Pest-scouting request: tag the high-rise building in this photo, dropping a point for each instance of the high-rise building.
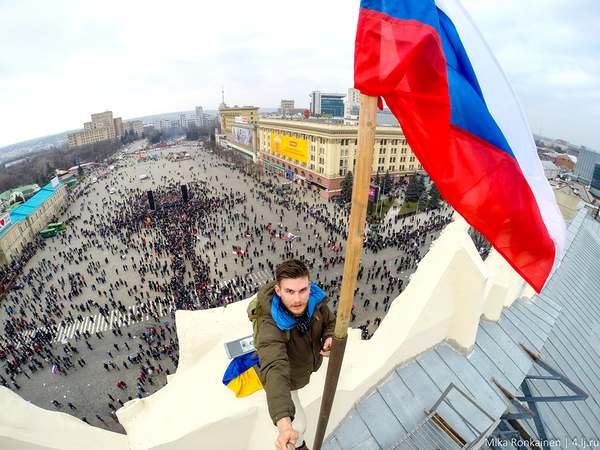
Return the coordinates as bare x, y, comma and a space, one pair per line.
103, 127
352, 104
595, 184
134, 126
118, 124
287, 107
326, 104
586, 161
103, 119
201, 117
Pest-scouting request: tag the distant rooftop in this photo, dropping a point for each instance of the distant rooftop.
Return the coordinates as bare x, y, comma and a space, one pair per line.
25, 190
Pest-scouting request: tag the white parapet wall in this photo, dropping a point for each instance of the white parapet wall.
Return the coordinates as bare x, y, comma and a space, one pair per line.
24, 426
452, 289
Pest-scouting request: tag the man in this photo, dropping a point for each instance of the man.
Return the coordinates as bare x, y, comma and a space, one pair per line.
294, 331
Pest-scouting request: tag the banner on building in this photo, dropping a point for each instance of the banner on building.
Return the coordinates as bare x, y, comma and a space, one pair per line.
4, 220
241, 135
54, 182
373, 192
291, 147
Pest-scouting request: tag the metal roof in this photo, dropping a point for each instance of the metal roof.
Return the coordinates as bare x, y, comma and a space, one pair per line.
23, 211
562, 325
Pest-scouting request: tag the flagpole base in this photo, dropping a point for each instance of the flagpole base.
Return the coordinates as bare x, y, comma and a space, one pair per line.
333, 373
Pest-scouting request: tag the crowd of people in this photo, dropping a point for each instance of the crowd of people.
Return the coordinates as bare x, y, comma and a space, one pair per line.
119, 255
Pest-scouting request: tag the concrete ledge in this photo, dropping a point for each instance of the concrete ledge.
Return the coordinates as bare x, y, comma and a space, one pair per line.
28, 427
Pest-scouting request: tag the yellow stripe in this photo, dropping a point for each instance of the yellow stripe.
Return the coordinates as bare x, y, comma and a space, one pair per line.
246, 383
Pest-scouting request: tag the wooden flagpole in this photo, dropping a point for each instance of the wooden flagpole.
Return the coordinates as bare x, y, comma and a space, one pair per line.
367, 121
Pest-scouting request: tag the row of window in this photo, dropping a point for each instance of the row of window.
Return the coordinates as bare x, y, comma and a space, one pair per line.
401, 168
382, 151
319, 156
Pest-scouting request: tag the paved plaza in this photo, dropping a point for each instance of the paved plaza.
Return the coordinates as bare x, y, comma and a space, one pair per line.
93, 325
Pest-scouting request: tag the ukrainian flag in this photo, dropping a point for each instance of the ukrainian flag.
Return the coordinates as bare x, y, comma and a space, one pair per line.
241, 376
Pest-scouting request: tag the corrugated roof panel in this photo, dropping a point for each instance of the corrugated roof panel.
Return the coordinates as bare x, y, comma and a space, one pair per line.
488, 398
331, 444
434, 367
562, 325
521, 331
352, 431
571, 348
555, 425
504, 363
400, 400
379, 419
488, 368
426, 392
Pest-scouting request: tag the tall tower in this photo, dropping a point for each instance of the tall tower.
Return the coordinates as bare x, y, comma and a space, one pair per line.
222, 105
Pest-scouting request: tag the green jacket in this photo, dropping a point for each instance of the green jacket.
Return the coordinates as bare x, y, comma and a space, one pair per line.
287, 359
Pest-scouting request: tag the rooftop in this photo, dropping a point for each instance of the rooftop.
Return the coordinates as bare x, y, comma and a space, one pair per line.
27, 189
561, 326
23, 211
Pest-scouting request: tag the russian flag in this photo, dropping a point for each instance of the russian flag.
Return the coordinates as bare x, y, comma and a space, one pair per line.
464, 123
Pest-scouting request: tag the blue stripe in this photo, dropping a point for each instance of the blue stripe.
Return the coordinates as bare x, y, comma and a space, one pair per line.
239, 365
420, 10
468, 108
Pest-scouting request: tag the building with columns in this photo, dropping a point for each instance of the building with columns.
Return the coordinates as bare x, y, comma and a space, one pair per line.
320, 154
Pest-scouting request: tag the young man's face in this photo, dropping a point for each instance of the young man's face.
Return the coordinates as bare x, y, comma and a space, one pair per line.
294, 293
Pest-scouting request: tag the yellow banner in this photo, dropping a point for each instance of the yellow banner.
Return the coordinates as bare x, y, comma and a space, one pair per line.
291, 147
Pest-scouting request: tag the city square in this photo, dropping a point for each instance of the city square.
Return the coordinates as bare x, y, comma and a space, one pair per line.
97, 302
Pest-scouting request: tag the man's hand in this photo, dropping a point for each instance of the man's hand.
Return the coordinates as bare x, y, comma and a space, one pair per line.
287, 435
326, 347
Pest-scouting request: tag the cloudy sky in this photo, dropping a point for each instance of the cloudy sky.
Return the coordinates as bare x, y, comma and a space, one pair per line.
61, 60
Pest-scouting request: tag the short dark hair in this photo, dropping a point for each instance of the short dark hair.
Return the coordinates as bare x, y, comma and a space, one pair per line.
292, 268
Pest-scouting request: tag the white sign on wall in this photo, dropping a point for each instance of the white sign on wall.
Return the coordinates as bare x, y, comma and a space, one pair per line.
4, 220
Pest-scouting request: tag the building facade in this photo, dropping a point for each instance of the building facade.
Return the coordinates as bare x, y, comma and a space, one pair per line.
28, 219
118, 123
228, 116
595, 183
566, 162
326, 104
352, 106
287, 107
239, 125
134, 126
586, 161
103, 127
321, 154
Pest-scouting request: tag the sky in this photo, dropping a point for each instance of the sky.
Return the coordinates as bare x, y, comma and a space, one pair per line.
62, 60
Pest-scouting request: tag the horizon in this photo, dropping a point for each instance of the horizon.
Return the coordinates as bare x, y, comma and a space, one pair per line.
54, 52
